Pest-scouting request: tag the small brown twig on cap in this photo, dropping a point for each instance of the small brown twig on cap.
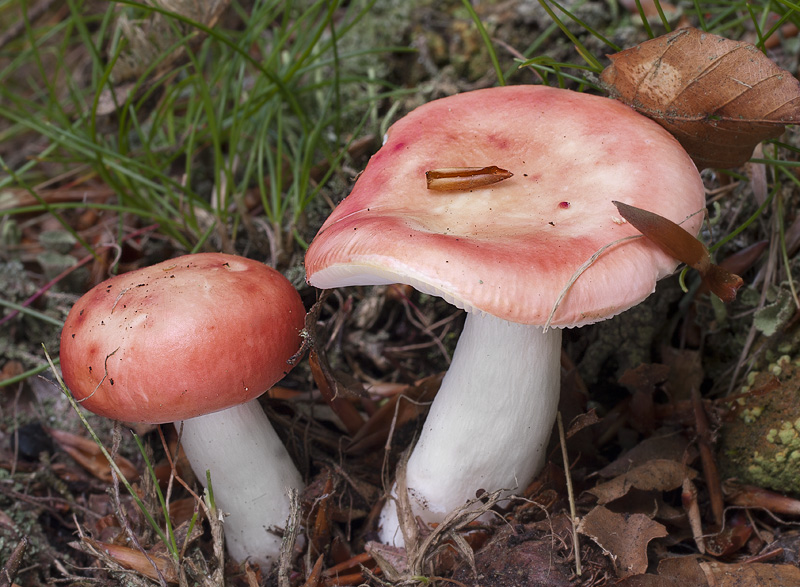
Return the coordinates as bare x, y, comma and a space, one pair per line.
464, 178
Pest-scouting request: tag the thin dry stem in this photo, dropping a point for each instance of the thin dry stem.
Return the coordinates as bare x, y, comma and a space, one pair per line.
573, 515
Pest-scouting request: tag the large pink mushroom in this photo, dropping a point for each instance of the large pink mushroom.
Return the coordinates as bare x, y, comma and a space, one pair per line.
195, 340
525, 257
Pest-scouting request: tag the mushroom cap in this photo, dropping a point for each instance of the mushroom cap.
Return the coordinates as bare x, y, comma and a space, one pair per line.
179, 339
510, 249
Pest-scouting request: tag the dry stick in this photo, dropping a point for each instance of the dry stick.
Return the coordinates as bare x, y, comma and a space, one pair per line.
710, 472
572, 513
289, 539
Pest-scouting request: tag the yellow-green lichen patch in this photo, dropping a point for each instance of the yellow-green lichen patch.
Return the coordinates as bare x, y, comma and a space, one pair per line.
760, 438
787, 433
749, 415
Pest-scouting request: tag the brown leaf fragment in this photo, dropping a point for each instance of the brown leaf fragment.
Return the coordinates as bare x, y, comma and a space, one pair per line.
315, 577
515, 557
666, 444
718, 97
329, 388
722, 283
399, 410
670, 237
655, 475
393, 561
89, 455
731, 539
582, 421
9, 571
678, 243
683, 571
464, 178
752, 575
150, 565
623, 538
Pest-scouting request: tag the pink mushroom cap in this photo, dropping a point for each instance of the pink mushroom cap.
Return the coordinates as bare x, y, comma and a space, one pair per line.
511, 248
190, 336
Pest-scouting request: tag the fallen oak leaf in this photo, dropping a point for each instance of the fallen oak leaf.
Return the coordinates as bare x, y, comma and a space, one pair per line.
667, 444
678, 243
623, 538
654, 475
718, 97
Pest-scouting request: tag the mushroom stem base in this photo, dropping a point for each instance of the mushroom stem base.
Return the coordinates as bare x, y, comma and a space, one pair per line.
490, 423
251, 473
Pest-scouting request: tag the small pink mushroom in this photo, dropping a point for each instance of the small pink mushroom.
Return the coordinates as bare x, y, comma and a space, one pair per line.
196, 340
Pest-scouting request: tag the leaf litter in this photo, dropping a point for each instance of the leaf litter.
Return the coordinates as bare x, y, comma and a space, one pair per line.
655, 483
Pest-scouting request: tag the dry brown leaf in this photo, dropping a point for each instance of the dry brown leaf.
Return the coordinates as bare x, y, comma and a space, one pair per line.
681, 571
655, 475
582, 421
515, 557
752, 575
138, 561
623, 538
90, 457
678, 243
718, 97
666, 444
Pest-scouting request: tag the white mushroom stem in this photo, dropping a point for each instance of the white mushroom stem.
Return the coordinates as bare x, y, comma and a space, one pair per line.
251, 473
490, 423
